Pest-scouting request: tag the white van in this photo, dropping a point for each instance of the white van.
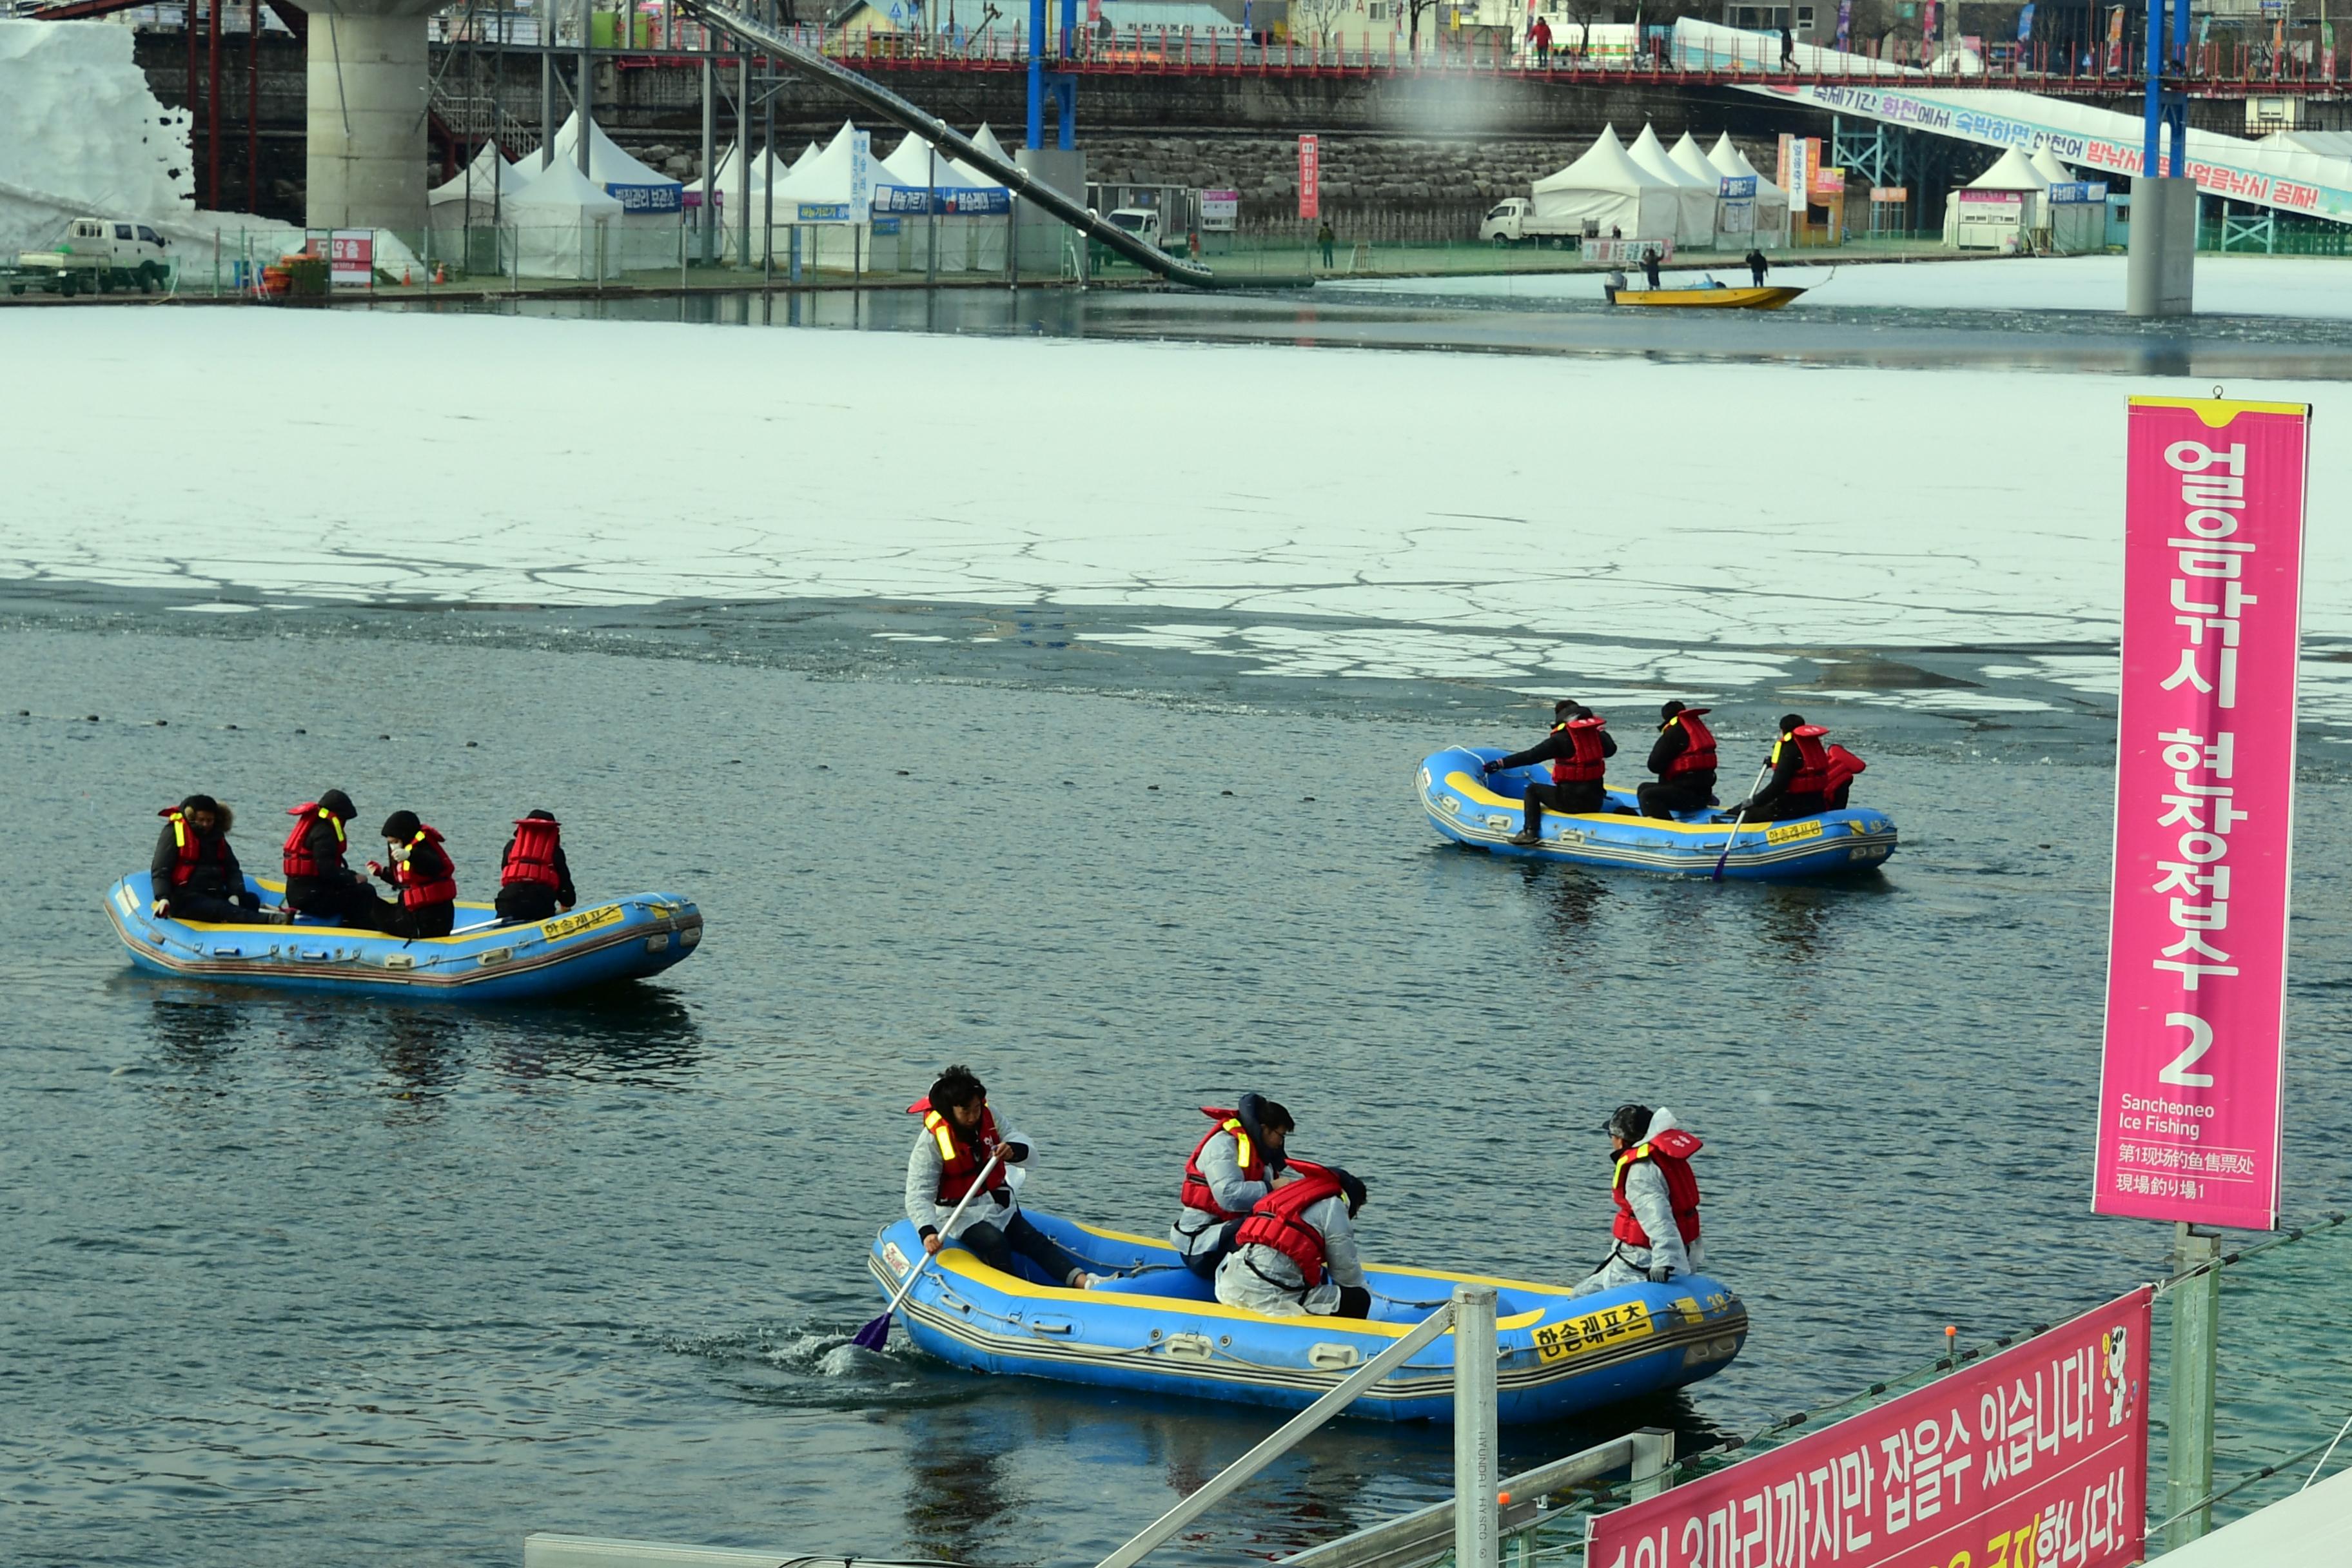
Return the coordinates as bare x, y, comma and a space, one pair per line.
95, 256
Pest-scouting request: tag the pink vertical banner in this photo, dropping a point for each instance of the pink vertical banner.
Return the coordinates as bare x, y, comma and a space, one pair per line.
1310, 177
2189, 1084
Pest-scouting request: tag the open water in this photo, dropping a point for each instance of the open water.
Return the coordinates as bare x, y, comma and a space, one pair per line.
290, 1280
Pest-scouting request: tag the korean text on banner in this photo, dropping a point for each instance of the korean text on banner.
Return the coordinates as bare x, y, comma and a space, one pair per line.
350, 257
2189, 1083
2036, 1456
1310, 183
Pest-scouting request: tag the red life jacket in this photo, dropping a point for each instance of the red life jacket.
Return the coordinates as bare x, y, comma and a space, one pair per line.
1277, 1220
959, 1161
1812, 775
1698, 756
296, 857
185, 840
532, 856
1585, 764
1670, 1151
427, 877
1197, 1192
1842, 767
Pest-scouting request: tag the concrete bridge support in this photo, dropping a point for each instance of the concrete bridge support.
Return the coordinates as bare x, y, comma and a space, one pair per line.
369, 86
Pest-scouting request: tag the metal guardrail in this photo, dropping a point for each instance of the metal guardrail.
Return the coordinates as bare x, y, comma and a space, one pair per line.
543, 1550
1470, 1314
1424, 1535
786, 50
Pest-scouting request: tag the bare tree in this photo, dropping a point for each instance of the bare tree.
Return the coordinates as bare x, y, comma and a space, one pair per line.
1414, 9
1317, 18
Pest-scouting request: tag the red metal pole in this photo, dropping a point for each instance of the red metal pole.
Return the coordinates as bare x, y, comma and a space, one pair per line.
211, 103
253, 105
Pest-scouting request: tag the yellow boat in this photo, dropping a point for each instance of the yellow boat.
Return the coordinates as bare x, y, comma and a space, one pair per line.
1705, 299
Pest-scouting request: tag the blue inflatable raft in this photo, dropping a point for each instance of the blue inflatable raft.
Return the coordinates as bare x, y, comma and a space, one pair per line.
1157, 1328
481, 961
1471, 808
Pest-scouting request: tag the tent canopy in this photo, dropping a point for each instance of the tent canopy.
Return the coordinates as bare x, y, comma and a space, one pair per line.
1606, 187
912, 164
2046, 165
1696, 197
490, 176
565, 226
1685, 155
607, 165
2015, 172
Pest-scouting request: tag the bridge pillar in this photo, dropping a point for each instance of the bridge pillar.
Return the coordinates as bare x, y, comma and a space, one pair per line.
369, 90
2160, 274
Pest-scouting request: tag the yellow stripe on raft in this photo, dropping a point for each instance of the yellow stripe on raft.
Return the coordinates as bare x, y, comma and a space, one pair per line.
1477, 794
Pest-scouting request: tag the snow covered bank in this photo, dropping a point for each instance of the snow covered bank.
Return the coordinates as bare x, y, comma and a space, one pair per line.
478, 459
2317, 286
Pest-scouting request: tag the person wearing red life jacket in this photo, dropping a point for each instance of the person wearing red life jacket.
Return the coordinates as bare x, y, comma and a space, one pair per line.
1655, 1236
318, 882
534, 879
1683, 757
1237, 1162
1808, 777
194, 875
1578, 748
1294, 1254
961, 1131
423, 875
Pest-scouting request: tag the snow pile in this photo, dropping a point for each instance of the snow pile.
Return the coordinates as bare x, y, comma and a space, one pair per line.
79, 134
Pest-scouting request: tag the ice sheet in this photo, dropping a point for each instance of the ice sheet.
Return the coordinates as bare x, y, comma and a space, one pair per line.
1472, 505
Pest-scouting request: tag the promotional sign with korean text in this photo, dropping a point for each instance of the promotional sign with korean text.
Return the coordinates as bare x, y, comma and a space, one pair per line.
2191, 1076
1310, 182
2037, 1456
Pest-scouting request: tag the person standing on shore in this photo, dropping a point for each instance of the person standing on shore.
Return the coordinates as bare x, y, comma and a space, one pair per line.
1326, 239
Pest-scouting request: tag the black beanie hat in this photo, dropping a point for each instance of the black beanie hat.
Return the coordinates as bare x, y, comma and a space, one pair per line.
339, 803
401, 824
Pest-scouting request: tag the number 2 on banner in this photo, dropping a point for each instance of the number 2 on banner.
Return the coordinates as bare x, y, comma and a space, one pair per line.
2200, 1040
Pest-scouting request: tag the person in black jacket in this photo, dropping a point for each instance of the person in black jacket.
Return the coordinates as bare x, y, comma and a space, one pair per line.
318, 881
1683, 756
1578, 748
194, 875
534, 879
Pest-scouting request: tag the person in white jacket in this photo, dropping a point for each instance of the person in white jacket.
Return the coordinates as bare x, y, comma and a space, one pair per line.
961, 1133
1655, 1236
1295, 1253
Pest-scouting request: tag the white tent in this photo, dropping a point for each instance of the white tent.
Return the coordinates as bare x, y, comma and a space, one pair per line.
1998, 225
563, 225
647, 230
2015, 172
1694, 224
1688, 157
967, 241
476, 201
2046, 165
985, 140
820, 180
731, 227
1771, 201
1607, 188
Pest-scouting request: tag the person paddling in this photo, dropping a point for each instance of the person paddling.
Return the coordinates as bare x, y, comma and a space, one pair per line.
1294, 1255
1655, 1236
1238, 1162
960, 1135
1808, 777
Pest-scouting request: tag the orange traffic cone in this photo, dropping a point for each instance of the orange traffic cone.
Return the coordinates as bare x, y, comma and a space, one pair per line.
404, 277
440, 273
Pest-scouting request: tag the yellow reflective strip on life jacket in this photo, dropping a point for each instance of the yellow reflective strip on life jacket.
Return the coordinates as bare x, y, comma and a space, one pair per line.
179, 831
1240, 1141
937, 1125
332, 820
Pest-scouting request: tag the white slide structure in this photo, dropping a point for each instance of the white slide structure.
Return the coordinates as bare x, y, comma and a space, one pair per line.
2272, 174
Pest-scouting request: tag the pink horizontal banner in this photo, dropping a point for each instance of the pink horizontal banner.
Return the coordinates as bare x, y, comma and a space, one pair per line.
2190, 1081
2037, 1455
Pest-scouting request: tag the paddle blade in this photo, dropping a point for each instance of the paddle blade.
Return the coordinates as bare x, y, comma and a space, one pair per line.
874, 1335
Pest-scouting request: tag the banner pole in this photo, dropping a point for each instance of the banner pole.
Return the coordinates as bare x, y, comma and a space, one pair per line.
2195, 1348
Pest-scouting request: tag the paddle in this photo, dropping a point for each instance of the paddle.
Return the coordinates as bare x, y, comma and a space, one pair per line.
877, 1334
1739, 820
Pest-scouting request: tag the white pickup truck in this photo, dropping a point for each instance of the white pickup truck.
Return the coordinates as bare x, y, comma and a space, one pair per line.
96, 256
1513, 221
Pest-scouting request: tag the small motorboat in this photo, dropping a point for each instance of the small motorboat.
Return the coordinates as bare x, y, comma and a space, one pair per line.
482, 959
1154, 1326
1470, 806
1716, 299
